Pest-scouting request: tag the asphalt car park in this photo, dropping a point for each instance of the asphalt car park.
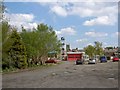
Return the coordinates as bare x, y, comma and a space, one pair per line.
66, 75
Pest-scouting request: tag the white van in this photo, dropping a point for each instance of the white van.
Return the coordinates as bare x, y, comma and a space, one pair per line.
85, 57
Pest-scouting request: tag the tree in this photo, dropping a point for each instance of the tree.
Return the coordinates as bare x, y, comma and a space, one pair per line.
30, 40
39, 42
94, 50
48, 41
17, 51
89, 50
6, 43
67, 47
98, 48
109, 48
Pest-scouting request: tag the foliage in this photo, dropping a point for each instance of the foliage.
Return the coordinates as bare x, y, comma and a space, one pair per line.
26, 48
89, 50
94, 50
6, 43
17, 51
109, 48
39, 42
67, 47
98, 48
13, 50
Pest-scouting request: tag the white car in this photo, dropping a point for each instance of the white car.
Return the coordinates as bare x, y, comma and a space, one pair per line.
92, 61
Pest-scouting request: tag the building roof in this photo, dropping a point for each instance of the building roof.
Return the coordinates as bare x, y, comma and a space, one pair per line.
111, 50
75, 52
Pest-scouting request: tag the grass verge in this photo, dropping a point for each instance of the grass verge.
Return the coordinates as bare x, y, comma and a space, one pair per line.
34, 67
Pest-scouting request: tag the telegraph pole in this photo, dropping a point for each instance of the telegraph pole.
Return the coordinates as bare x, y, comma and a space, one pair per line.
62, 48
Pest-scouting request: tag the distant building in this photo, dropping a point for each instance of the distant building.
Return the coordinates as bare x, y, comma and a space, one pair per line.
111, 51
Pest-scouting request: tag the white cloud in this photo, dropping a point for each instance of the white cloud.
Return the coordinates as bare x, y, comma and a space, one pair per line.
59, 10
61, 0
30, 25
104, 44
96, 34
79, 10
87, 9
58, 32
66, 31
103, 20
21, 17
19, 20
105, 13
81, 40
117, 33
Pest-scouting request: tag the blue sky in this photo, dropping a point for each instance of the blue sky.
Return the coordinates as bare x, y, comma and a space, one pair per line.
80, 23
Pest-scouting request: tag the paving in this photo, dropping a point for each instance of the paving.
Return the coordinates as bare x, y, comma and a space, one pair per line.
66, 75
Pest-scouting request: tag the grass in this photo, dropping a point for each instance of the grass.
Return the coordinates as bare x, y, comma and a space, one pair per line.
33, 67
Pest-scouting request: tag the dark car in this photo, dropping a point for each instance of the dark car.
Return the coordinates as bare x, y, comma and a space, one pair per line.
103, 59
115, 59
79, 61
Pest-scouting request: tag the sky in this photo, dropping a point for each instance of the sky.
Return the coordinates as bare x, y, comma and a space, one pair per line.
80, 23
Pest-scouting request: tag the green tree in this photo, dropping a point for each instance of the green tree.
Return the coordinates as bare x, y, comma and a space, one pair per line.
6, 43
90, 50
49, 41
39, 42
30, 40
17, 51
109, 48
67, 47
98, 48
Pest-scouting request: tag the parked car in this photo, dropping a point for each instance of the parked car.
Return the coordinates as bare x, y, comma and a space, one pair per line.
115, 59
103, 59
92, 61
79, 61
51, 61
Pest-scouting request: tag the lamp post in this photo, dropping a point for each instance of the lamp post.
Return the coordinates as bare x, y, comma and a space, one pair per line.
62, 48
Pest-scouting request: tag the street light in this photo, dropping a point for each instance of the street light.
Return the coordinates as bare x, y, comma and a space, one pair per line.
62, 48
